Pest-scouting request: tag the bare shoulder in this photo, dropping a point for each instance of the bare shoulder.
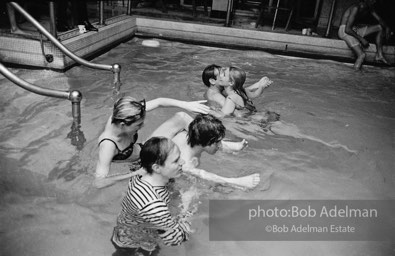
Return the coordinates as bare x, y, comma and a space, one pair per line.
236, 98
181, 140
214, 98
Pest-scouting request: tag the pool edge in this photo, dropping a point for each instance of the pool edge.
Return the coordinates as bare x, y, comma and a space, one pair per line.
24, 51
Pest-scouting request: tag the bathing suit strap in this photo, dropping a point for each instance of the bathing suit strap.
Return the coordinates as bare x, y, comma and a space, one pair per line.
111, 141
125, 153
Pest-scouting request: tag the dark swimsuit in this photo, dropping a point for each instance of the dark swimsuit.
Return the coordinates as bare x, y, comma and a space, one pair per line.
125, 153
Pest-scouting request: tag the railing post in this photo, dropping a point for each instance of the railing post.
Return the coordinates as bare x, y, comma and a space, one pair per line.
101, 13
116, 69
228, 13
328, 28
75, 97
52, 18
76, 135
129, 7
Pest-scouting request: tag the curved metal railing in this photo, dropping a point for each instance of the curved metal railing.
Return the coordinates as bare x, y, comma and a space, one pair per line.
76, 136
115, 68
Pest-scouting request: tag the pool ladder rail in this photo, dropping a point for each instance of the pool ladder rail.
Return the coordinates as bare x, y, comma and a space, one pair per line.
115, 68
76, 135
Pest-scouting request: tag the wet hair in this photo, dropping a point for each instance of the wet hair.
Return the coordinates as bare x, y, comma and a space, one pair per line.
238, 77
205, 130
208, 73
155, 151
128, 110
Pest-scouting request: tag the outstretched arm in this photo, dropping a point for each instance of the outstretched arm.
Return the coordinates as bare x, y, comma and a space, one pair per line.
180, 121
102, 182
233, 146
102, 179
256, 90
192, 106
245, 182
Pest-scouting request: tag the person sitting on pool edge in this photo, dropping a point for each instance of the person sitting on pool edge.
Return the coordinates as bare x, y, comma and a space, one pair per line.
145, 220
212, 77
118, 140
354, 36
204, 133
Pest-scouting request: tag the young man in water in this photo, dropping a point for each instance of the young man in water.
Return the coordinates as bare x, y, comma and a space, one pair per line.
354, 36
205, 133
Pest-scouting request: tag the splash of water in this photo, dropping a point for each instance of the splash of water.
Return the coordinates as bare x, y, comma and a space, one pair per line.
189, 202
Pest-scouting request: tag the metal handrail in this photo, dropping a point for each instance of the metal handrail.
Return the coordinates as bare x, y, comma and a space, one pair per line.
77, 137
115, 68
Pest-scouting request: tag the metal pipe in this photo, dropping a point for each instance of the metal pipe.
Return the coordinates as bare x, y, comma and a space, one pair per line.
114, 68
228, 13
31, 87
117, 77
129, 7
328, 28
75, 97
52, 18
275, 14
101, 13
76, 135
57, 43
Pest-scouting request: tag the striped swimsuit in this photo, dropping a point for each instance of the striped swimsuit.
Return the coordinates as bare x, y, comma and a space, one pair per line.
145, 217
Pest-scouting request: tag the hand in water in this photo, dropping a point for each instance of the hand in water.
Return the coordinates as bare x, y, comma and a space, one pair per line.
197, 106
243, 144
230, 146
265, 82
187, 226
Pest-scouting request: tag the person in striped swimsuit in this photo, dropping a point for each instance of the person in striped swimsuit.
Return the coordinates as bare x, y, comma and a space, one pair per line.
145, 220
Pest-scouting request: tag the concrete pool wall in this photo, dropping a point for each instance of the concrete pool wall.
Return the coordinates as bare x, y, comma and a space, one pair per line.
18, 50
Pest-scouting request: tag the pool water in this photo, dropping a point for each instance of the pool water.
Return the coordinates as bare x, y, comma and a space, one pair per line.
335, 141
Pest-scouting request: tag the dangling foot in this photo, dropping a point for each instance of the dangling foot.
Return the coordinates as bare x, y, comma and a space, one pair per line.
247, 182
358, 62
20, 32
381, 59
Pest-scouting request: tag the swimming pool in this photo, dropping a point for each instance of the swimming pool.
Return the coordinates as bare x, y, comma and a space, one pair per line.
340, 145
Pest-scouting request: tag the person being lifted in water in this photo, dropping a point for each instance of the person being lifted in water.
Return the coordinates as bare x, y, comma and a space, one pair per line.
204, 133
354, 36
118, 141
